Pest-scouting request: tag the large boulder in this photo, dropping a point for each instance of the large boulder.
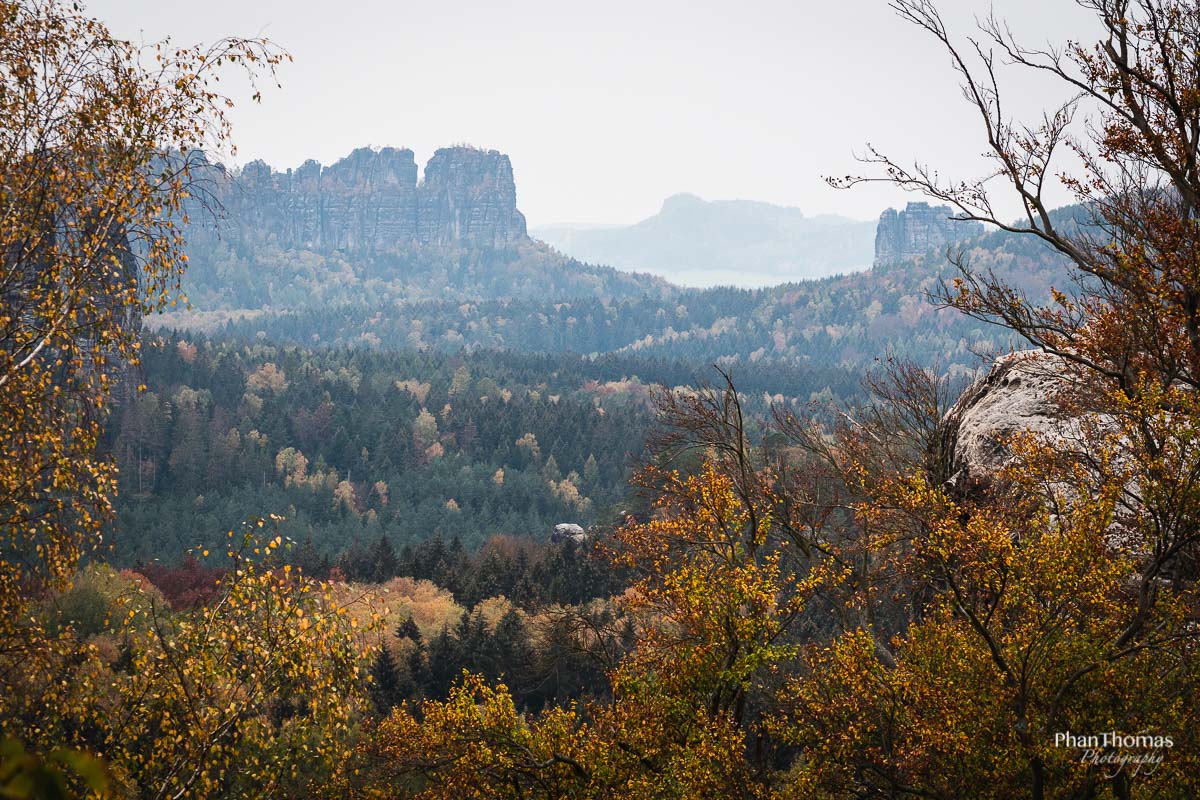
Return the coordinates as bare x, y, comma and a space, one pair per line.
1022, 393
1034, 392
568, 532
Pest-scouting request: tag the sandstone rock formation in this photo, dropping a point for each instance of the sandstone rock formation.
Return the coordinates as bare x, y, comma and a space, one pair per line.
468, 196
371, 201
918, 229
1019, 394
568, 532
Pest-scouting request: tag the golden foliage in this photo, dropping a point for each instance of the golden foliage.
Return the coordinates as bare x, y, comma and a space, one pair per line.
250, 695
100, 151
477, 745
267, 378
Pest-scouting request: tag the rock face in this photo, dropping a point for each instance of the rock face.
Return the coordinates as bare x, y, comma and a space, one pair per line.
917, 230
568, 532
1017, 395
371, 201
468, 195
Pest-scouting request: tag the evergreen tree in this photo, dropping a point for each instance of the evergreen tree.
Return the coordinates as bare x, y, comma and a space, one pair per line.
445, 664
591, 471
409, 630
384, 563
511, 651
307, 559
472, 642
419, 674
386, 689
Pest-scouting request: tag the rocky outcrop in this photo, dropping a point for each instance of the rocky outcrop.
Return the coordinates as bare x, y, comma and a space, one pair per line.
468, 195
568, 532
1019, 394
1025, 393
371, 202
919, 229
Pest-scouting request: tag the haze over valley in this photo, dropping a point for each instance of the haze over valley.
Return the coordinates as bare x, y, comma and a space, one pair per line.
697, 243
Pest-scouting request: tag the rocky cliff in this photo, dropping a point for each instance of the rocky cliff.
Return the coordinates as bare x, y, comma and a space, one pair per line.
919, 229
371, 202
366, 229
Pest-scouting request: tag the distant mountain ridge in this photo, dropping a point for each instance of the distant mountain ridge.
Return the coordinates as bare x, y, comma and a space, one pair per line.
364, 229
361, 254
697, 242
841, 322
371, 201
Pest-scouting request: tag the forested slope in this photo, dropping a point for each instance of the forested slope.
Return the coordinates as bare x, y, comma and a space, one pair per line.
351, 445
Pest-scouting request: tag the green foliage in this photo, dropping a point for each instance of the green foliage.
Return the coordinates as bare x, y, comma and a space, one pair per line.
236, 269
59, 775
352, 445
386, 690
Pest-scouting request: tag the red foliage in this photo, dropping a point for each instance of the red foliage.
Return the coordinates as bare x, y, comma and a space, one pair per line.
186, 586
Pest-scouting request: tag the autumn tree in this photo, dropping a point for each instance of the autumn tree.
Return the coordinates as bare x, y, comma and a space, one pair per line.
1131, 324
1063, 598
100, 161
249, 694
99, 150
1019, 631
715, 606
1131, 121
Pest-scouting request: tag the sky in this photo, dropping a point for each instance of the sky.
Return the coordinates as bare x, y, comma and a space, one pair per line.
607, 108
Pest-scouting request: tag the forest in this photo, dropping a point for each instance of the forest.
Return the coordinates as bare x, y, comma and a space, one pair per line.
842, 322
493, 547
348, 445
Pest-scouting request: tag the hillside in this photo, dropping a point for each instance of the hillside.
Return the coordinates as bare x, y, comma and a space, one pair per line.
843, 321
348, 445
363, 254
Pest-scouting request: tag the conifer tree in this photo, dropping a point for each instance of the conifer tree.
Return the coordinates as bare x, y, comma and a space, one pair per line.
384, 563
408, 630
386, 689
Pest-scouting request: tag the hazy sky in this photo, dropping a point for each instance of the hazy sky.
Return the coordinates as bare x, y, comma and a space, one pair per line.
608, 107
